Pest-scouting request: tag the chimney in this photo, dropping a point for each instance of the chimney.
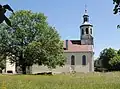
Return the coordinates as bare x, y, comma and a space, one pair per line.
66, 44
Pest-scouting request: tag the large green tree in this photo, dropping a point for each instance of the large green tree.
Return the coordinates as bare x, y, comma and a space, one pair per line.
106, 55
32, 40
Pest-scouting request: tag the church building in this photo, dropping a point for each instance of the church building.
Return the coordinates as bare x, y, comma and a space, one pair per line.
79, 53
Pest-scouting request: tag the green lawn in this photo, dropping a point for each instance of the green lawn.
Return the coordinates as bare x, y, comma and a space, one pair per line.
63, 81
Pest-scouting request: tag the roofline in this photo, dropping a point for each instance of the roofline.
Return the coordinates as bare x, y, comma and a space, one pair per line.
86, 25
79, 52
85, 15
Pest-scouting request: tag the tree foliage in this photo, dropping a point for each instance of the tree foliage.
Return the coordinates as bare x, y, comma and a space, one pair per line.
31, 40
110, 59
2, 62
115, 62
3, 10
106, 55
116, 9
47, 49
117, 6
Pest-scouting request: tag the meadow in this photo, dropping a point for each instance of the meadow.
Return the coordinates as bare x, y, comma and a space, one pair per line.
109, 80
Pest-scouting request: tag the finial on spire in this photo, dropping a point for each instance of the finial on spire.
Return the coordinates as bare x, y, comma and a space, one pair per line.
85, 8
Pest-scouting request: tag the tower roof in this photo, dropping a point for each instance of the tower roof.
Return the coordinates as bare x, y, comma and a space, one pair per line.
86, 18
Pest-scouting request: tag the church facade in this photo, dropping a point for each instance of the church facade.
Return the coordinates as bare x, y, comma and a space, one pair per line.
79, 53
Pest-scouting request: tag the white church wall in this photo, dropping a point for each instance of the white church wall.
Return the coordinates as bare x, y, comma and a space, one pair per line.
78, 67
10, 67
78, 61
39, 69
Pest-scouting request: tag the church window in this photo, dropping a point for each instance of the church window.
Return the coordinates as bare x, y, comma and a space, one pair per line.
91, 30
83, 60
72, 60
82, 31
87, 32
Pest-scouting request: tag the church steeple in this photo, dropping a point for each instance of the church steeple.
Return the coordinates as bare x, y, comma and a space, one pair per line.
85, 16
86, 30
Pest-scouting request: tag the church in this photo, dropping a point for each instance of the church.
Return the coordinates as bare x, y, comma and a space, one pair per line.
79, 53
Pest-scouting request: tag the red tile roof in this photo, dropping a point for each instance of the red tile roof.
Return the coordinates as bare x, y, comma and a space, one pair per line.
77, 47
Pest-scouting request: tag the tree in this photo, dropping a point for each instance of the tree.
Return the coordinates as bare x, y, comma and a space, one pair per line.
106, 55
117, 6
4, 42
3, 10
96, 62
32, 40
2, 62
118, 52
115, 62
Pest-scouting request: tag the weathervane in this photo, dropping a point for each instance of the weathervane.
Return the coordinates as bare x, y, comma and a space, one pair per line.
3, 10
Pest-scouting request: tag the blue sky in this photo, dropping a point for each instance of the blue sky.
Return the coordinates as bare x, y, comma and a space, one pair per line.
66, 16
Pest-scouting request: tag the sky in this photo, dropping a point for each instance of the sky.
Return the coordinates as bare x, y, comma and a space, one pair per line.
66, 16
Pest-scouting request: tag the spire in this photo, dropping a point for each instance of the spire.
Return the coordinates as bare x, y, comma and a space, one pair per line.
86, 9
85, 16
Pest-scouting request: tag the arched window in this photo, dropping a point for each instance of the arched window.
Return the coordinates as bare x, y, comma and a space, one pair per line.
82, 31
87, 32
91, 30
72, 60
83, 60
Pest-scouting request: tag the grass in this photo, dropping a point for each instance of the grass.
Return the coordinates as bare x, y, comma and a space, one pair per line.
62, 81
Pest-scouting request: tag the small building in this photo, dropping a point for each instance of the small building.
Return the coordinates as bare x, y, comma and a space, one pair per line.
79, 53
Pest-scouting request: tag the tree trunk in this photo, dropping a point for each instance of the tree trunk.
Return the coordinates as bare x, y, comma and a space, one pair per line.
22, 63
23, 69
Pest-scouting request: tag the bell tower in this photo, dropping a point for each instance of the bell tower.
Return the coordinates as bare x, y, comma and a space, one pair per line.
86, 30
